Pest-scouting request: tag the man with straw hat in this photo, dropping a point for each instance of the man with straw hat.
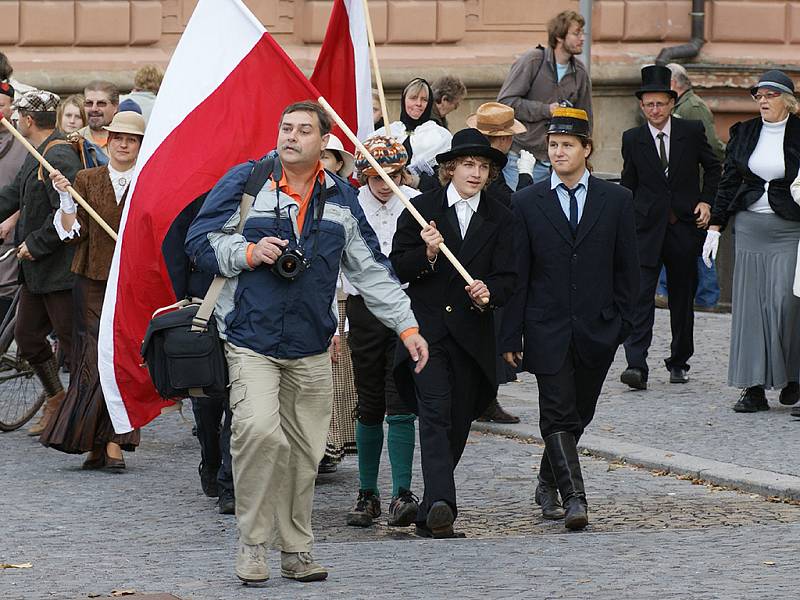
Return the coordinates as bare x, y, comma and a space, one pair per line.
578, 277
460, 378
45, 303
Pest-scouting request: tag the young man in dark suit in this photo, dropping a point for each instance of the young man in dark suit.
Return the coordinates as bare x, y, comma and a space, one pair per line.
459, 380
661, 166
578, 279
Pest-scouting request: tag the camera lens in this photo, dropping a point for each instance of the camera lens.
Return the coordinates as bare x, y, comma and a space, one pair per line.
289, 264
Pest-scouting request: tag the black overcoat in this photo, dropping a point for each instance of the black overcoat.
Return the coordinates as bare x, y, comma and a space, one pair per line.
577, 290
656, 194
37, 201
438, 299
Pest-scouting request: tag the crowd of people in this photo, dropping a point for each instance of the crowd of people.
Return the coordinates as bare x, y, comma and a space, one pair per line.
379, 325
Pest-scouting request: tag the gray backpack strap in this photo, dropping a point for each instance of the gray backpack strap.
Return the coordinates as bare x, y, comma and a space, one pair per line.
258, 177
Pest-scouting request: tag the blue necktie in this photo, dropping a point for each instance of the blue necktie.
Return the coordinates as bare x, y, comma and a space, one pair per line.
573, 209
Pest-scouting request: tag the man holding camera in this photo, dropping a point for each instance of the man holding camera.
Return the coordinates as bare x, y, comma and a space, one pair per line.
276, 314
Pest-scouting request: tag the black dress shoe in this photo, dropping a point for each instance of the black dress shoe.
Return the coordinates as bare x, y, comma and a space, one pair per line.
634, 378
226, 503
752, 400
496, 414
208, 479
790, 394
678, 375
440, 519
327, 465
422, 530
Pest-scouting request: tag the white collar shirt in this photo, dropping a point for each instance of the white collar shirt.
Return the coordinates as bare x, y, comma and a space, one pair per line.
465, 207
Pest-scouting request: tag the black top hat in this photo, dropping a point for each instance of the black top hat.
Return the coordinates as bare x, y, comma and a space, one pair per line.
656, 78
471, 142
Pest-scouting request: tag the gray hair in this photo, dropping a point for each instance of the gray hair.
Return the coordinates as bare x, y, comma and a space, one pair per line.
680, 75
790, 100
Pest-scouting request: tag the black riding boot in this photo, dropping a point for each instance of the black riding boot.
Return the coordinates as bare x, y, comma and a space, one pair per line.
547, 491
562, 451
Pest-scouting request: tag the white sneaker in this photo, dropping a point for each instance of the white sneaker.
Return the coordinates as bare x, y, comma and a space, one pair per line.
251, 563
301, 566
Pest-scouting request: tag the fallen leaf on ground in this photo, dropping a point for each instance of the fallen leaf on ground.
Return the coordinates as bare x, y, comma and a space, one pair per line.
16, 566
769, 563
123, 592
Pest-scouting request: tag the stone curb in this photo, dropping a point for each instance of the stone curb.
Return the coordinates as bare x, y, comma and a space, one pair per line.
746, 479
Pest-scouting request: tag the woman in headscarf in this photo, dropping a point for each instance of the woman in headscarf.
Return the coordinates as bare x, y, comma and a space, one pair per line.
82, 423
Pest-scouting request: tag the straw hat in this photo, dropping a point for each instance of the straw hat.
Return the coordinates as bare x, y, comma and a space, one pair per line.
494, 119
334, 143
126, 122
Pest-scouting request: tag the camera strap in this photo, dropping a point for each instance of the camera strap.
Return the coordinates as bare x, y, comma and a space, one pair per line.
258, 177
319, 196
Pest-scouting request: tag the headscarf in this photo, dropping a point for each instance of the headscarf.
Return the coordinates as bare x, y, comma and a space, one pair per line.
412, 124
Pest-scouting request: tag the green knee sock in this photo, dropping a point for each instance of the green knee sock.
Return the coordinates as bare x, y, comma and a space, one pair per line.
400, 441
369, 442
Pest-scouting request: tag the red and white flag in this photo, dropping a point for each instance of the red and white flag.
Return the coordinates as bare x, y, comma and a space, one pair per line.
342, 73
223, 92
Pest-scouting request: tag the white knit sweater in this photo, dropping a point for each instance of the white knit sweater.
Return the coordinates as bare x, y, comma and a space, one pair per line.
766, 161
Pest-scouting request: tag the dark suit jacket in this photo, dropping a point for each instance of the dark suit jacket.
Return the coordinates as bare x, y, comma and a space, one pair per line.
438, 299
655, 194
571, 290
740, 187
37, 201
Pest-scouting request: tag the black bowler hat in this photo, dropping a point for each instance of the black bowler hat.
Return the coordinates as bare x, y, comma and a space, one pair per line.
656, 78
572, 121
774, 80
471, 142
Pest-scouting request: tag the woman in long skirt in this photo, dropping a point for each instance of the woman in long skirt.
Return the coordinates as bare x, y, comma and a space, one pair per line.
760, 164
82, 423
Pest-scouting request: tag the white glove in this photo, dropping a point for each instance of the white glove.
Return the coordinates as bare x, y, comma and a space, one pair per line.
419, 167
526, 162
710, 247
67, 204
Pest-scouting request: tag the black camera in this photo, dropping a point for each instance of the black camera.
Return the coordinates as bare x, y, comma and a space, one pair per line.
290, 264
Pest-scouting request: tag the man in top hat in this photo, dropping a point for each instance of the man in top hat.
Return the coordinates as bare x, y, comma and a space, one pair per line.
45, 302
662, 162
578, 279
460, 377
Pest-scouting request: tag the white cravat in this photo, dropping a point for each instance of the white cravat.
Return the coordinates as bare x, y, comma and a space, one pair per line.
465, 207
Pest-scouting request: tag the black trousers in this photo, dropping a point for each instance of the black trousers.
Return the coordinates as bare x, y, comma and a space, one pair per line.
37, 316
448, 391
372, 350
214, 435
568, 399
679, 254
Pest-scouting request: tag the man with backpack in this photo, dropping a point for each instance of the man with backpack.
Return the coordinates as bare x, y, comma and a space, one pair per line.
539, 81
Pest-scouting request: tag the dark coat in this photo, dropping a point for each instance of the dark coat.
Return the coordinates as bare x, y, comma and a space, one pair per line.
655, 195
438, 299
499, 189
571, 290
740, 187
37, 202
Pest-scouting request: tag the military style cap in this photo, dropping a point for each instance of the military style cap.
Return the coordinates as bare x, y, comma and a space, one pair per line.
572, 121
37, 101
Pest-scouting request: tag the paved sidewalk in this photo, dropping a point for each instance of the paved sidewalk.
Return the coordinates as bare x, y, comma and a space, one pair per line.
682, 428
150, 529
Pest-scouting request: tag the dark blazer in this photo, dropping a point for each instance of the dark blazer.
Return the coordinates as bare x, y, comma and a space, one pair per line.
37, 202
654, 194
571, 290
438, 299
740, 187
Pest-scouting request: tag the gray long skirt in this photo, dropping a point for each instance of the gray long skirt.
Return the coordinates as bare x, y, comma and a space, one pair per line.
765, 333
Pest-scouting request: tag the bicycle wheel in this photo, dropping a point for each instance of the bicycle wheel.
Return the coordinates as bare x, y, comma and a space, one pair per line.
21, 392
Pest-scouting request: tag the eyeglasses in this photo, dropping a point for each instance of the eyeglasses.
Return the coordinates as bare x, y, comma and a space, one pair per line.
579, 34
658, 105
758, 96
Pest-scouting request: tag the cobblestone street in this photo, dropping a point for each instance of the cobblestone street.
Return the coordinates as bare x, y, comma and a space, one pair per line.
651, 536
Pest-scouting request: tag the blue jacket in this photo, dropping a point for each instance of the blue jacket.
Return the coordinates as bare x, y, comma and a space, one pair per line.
291, 319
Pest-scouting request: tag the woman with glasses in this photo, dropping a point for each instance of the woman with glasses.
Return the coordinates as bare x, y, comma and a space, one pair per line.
761, 162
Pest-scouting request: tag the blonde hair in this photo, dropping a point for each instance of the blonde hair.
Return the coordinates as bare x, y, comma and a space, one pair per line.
790, 100
74, 100
148, 78
447, 168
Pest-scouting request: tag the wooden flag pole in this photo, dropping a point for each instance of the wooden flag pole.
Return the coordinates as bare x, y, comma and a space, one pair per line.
374, 56
92, 213
398, 192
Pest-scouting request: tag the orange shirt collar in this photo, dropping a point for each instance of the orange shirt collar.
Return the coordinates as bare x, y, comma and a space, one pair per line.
283, 184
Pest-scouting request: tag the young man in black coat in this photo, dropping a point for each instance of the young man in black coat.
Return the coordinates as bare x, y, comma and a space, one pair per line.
460, 378
578, 280
662, 162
